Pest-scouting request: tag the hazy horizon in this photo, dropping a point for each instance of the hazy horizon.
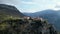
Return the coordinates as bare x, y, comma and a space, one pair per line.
31, 6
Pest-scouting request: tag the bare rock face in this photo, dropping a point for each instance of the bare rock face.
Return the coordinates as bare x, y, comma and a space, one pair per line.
27, 26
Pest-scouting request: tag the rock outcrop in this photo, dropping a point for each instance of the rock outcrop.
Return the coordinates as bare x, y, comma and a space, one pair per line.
27, 26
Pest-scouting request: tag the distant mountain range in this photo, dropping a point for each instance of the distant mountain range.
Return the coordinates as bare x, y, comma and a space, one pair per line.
10, 10
52, 16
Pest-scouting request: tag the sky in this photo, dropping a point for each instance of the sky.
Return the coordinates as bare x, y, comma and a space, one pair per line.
31, 6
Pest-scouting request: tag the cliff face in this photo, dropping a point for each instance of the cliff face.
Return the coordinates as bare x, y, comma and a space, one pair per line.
27, 26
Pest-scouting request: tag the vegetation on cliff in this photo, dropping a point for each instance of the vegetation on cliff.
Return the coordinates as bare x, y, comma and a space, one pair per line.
26, 26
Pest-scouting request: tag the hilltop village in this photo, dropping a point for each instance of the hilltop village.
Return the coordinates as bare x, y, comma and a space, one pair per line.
27, 25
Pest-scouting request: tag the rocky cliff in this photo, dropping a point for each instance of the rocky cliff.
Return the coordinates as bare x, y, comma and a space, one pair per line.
27, 26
